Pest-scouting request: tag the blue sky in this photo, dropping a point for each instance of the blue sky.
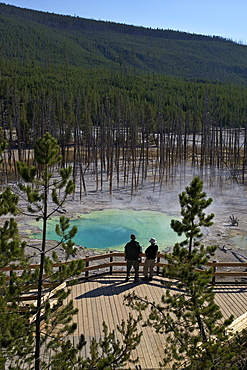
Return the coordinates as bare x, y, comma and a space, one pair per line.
226, 18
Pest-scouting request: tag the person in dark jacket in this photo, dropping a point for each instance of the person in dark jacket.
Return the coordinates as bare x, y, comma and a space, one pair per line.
132, 254
150, 252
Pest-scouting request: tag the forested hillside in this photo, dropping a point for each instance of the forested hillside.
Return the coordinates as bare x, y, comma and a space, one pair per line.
28, 35
115, 95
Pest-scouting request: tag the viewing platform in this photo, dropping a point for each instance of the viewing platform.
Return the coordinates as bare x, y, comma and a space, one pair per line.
101, 298
100, 291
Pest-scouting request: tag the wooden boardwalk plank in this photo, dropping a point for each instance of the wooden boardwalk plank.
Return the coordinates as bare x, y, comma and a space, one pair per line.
154, 291
95, 299
82, 317
145, 350
231, 299
123, 313
154, 343
102, 299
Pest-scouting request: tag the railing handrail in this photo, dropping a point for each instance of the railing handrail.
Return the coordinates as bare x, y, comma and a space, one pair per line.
113, 263
118, 254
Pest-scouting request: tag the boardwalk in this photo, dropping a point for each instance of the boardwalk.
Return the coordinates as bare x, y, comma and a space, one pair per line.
102, 299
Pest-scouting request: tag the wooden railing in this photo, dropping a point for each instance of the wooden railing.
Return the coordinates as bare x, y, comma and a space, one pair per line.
113, 262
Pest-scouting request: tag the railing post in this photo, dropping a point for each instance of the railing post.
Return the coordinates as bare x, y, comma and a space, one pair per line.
214, 277
111, 260
87, 265
158, 261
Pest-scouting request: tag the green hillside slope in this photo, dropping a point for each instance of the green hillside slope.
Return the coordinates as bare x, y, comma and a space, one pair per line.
32, 36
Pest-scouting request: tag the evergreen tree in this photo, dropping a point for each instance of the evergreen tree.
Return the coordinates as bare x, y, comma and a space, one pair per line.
109, 353
15, 339
46, 195
188, 316
193, 202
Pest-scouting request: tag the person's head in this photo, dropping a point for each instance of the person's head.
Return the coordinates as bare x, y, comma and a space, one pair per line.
132, 237
152, 241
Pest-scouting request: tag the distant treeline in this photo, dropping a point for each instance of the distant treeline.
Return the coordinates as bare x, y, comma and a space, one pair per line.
68, 23
34, 99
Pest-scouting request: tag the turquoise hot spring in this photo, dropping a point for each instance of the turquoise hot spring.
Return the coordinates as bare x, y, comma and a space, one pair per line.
111, 228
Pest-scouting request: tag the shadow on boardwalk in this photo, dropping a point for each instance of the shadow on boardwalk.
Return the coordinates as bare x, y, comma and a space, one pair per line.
110, 288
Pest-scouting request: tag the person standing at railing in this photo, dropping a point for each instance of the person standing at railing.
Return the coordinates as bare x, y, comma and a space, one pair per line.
151, 253
132, 254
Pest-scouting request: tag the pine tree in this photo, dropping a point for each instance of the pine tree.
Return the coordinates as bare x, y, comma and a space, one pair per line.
188, 316
109, 353
193, 202
46, 195
15, 339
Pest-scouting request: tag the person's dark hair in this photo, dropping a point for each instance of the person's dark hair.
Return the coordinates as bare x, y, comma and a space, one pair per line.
132, 236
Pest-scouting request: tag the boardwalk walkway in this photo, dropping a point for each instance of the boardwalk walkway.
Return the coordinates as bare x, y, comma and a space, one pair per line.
102, 299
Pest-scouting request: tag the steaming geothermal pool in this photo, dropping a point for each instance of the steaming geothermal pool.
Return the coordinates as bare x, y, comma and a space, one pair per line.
111, 229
